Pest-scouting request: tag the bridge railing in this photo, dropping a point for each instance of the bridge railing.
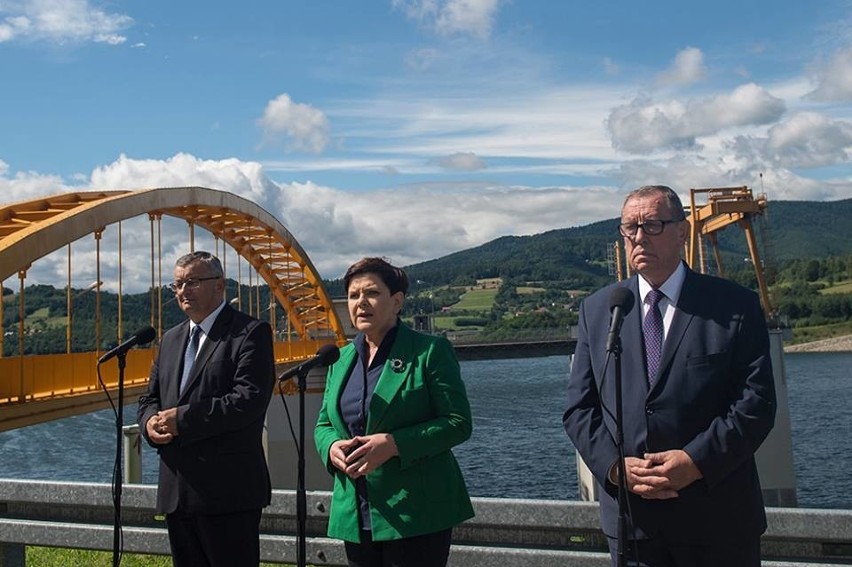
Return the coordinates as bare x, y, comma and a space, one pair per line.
505, 532
37, 377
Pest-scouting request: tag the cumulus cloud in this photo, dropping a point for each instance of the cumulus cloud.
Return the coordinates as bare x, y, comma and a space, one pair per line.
29, 185
413, 223
643, 125
834, 80
61, 21
461, 161
809, 139
335, 227
804, 140
450, 17
685, 172
687, 68
306, 126
244, 178
416, 223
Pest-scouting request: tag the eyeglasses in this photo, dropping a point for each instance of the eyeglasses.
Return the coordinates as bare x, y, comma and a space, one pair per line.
649, 227
191, 283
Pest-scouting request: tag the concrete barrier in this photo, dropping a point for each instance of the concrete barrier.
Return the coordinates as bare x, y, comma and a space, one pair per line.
505, 532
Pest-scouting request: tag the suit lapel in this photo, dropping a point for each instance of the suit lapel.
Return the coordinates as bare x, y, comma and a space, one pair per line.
341, 369
633, 346
171, 363
680, 323
394, 373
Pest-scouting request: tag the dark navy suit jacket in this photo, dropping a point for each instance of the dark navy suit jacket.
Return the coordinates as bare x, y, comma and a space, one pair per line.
216, 464
713, 397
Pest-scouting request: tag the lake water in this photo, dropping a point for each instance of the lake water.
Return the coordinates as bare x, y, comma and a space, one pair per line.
518, 448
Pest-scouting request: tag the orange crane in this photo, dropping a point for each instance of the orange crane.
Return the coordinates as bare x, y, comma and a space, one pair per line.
720, 208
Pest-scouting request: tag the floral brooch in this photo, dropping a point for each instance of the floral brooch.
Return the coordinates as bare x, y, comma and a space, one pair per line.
397, 364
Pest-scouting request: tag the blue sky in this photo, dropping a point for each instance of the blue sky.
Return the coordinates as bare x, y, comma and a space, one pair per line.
416, 128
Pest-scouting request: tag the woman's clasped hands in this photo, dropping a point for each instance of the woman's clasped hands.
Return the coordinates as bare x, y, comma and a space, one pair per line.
362, 454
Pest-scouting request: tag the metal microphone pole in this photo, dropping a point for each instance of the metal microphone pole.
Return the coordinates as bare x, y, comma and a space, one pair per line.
119, 422
619, 442
301, 497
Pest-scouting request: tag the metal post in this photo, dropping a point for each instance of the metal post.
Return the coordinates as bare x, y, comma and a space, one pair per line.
12, 555
132, 454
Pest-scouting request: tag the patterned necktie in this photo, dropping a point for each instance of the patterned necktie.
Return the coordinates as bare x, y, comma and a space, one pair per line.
652, 328
189, 355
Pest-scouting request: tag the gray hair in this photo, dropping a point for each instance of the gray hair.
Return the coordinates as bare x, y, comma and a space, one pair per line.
668, 194
201, 257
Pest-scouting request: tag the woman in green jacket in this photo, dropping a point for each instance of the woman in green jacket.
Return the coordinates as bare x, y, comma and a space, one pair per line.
394, 407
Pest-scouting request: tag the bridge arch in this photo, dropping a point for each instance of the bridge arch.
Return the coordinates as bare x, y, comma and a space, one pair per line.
40, 387
33, 229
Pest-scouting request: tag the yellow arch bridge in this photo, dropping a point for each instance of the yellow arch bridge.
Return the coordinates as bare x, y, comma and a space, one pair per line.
39, 387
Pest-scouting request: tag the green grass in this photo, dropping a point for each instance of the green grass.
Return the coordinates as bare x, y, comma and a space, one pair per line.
446, 323
809, 334
527, 290
839, 287
62, 557
477, 300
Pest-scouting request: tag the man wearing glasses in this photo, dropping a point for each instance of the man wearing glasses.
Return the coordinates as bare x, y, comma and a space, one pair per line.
208, 392
698, 400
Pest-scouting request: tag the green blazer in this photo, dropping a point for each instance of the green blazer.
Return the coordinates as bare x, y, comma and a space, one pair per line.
420, 399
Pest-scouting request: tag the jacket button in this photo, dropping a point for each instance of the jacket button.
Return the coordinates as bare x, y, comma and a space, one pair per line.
649, 411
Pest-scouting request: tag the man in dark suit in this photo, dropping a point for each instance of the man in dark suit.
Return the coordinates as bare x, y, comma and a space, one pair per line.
693, 420
209, 389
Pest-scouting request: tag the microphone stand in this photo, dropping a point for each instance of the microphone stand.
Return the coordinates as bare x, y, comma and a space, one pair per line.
119, 422
301, 496
619, 442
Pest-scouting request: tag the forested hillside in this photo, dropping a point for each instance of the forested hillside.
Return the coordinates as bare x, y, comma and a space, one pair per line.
536, 281
789, 230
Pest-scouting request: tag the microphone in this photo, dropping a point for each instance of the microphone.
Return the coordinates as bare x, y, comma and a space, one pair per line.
326, 355
621, 302
141, 337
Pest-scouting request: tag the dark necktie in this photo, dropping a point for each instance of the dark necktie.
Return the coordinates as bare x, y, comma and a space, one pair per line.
652, 328
189, 355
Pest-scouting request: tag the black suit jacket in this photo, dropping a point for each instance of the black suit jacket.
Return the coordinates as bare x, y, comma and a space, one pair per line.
216, 464
713, 397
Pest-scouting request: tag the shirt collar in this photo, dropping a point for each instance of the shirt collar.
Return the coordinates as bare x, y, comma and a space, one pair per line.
384, 348
208, 321
671, 287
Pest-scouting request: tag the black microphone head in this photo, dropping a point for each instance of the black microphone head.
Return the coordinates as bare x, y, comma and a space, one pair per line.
622, 297
145, 336
328, 355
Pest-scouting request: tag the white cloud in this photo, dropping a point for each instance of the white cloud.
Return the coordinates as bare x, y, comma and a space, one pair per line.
834, 80
461, 161
804, 140
685, 172
450, 17
407, 223
335, 227
643, 125
60, 21
687, 68
306, 126
809, 139
29, 185
243, 178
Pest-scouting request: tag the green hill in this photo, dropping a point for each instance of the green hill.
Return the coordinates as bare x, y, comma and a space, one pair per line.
789, 230
806, 244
